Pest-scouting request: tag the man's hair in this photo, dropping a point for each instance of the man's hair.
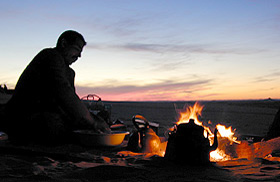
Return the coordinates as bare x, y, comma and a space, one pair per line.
70, 36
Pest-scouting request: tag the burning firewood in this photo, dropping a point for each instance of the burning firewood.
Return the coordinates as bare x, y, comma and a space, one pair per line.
227, 140
189, 140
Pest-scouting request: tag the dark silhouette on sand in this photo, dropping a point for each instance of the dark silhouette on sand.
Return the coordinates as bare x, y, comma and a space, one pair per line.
274, 129
4, 89
45, 107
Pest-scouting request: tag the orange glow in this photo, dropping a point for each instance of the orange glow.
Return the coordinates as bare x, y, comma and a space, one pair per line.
227, 132
224, 135
144, 155
191, 113
178, 95
219, 155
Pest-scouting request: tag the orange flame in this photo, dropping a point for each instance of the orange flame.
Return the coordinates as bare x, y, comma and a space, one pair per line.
227, 132
193, 113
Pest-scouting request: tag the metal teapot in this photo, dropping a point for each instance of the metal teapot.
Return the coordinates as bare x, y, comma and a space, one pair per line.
187, 144
144, 139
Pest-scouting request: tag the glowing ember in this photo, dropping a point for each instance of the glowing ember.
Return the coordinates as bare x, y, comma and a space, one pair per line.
224, 134
219, 155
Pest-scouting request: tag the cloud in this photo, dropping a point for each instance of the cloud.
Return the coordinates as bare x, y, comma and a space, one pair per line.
160, 90
268, 77
171, 57
169, 65
185, 48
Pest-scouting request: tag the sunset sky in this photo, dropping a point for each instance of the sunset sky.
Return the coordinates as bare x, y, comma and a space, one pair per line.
153, 49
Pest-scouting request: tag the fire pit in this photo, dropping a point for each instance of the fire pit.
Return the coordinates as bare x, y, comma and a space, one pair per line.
190, 141
187, 144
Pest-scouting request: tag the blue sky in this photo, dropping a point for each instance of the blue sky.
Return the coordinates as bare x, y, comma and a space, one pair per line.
152, 49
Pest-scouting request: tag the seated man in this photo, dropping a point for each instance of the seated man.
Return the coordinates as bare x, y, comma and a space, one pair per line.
45, 107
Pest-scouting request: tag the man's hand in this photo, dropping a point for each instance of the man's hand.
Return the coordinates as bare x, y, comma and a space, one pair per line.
100, 125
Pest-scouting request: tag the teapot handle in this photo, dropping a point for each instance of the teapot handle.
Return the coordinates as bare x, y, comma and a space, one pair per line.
91, 97
138, 119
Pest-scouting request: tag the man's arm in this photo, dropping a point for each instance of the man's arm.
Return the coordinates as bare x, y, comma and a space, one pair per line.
65, 92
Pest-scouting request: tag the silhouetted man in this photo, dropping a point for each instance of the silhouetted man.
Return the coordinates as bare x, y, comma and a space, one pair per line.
45, 107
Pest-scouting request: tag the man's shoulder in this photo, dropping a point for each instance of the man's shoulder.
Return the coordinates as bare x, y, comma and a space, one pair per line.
49, 51
49, 56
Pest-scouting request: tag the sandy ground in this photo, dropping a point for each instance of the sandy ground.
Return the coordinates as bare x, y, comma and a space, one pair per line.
74, 162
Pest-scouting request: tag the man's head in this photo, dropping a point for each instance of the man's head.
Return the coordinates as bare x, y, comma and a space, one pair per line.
70, 43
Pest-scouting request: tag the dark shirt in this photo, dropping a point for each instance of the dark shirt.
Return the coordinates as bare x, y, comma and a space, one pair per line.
47, 84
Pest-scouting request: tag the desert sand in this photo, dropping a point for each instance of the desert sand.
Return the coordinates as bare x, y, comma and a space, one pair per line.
74, 162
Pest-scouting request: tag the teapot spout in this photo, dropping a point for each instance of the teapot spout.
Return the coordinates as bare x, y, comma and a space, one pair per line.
215, 144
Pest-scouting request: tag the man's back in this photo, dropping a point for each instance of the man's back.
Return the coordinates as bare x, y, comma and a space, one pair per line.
38, 87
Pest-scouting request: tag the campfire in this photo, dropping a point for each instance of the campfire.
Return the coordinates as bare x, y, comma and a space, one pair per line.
190, 140
225, 135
